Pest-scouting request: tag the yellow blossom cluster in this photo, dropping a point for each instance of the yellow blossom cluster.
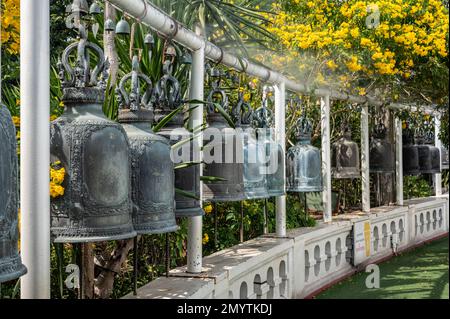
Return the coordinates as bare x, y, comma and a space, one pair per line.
10, 25
205, 239
56, 179
379, 37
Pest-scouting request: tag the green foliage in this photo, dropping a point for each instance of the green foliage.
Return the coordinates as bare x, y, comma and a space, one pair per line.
416, 186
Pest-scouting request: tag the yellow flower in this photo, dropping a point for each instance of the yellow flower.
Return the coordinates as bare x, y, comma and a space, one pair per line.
56, 190
361, 91
205, 239
208, 209
16, 121
331, 65
61, 104
57, 175
247, 97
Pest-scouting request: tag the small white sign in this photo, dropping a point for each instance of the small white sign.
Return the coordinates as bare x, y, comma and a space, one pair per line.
361, 241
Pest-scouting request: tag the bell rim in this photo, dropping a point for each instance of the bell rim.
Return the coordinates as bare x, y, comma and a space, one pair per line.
189, 212
151, 229
91, 239
312, 189
18, 270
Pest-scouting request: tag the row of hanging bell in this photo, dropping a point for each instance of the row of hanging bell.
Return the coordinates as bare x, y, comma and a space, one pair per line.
421, 157
11, 266
303, 160
120, 178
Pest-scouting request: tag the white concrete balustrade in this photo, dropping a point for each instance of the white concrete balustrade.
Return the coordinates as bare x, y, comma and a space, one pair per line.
307, 259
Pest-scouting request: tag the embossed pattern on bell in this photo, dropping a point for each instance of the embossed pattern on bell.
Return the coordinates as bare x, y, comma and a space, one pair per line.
96, 205
381, 154
152, 169
303, 161
345, 157
11, 266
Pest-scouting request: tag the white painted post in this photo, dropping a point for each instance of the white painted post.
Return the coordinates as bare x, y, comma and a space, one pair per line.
438, 144
326, 157
35, 147
365, 175
398, 161
195, 224
280, 135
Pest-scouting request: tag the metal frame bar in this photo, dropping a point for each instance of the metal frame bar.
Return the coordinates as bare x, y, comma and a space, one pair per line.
35, 147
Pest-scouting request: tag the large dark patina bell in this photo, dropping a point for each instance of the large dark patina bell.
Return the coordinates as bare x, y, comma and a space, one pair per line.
187, 178
255, 181
303, 161
444, 158
345, 156
11, 266
96, 205
425, 165
435, 153
152, 172
381, 154
274, 154
410, 153
223, 152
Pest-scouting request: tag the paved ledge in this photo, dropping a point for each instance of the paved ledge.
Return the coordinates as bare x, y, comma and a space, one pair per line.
174, 288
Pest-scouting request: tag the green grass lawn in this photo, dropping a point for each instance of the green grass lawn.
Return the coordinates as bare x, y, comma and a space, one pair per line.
418, 274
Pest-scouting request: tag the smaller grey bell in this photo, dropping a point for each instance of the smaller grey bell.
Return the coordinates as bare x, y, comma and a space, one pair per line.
186, 59
110, 25
123, 27
95, 8
149, 40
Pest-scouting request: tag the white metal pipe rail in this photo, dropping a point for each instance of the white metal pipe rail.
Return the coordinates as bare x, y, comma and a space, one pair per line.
35, 147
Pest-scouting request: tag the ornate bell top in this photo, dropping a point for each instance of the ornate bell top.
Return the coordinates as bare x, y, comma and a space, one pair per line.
347, 133
379, 131
420, 136
132, 106
216, 96
303, 129
79, 83
242, 113
168, 91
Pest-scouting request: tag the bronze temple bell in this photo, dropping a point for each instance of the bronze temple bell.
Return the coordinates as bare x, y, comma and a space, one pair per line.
96, 205
345, 156
381, 154
152, 171
227, 165
11, 266
168, 100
